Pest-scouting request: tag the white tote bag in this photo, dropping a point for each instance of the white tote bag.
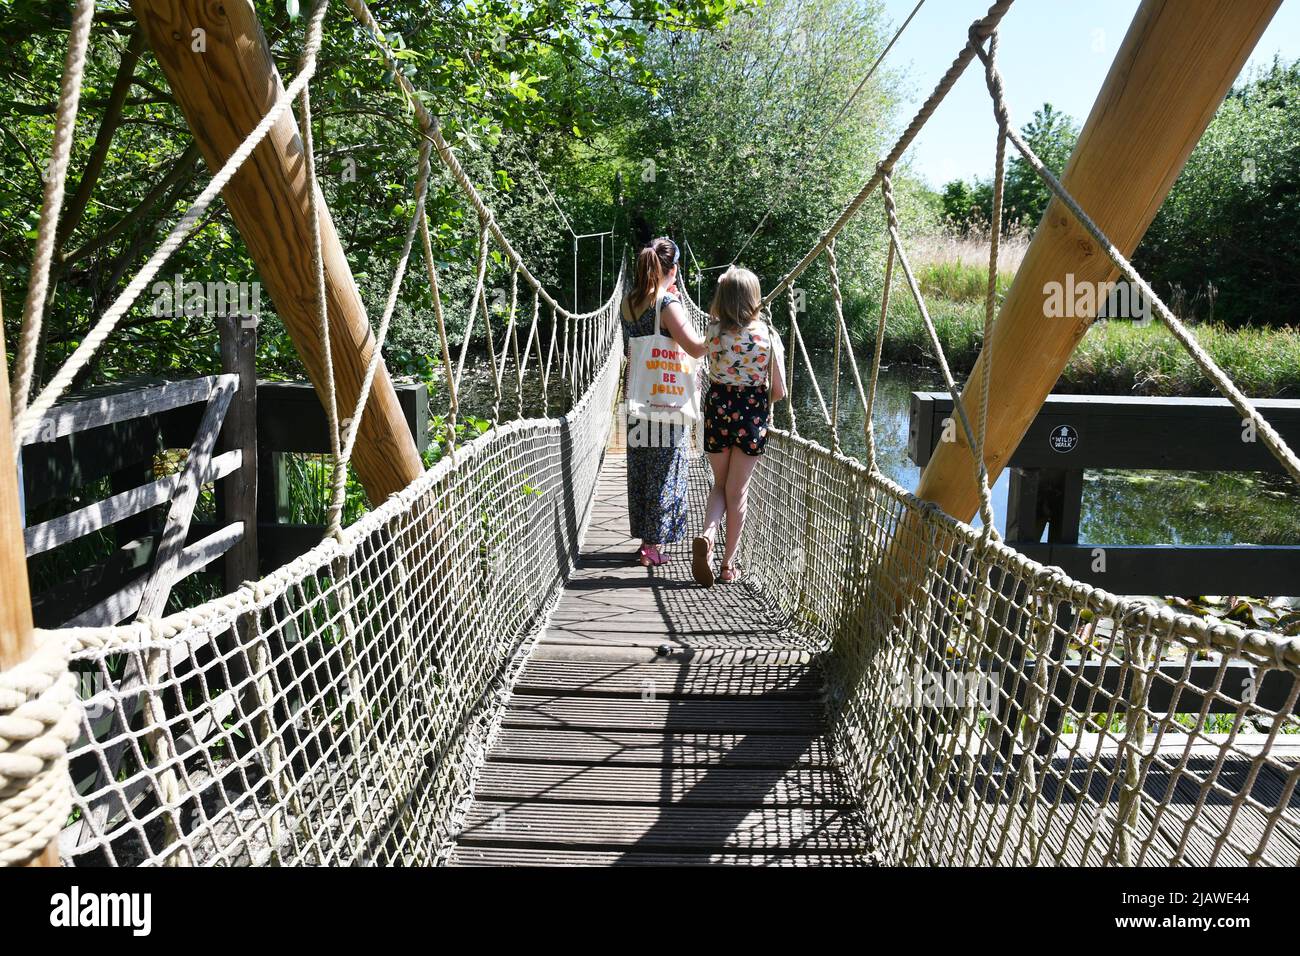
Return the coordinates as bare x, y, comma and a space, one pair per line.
661, 378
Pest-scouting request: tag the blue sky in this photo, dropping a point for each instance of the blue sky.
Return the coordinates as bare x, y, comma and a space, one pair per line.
1055, 51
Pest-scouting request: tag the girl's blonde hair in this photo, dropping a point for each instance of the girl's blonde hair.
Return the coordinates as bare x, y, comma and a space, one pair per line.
736, 302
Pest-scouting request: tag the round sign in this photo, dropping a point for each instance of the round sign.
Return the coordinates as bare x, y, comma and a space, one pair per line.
1063, 438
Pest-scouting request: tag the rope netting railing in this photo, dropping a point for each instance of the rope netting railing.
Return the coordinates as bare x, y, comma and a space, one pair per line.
988, 709
332, 712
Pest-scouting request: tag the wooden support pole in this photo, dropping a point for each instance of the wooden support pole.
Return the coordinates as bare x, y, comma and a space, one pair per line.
1172, 71
224, 85
238, 493
16, 638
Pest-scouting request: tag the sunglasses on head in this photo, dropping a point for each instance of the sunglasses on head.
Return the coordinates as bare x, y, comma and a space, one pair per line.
677, 253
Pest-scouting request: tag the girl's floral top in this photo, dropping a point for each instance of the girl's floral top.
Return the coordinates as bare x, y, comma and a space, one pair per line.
740, 357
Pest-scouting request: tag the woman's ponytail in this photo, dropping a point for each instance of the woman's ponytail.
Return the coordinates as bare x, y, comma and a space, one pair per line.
649, 272
655, 260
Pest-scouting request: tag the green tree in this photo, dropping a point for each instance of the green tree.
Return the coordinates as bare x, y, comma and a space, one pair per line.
1051, 134
740, 145
1226, 242
508, 80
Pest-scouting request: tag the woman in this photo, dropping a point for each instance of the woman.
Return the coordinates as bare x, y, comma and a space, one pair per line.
746, 375
657, 469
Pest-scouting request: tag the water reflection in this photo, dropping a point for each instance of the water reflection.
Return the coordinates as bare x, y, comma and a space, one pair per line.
1148, 507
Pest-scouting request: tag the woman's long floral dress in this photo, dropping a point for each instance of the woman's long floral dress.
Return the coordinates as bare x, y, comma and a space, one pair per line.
656, 469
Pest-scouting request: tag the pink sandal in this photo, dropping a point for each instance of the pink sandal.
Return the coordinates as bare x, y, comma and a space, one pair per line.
649, 556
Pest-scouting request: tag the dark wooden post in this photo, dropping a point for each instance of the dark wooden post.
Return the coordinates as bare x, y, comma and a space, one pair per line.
237, 499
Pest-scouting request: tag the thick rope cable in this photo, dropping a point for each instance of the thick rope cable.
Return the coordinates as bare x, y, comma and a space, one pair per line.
835, 122
104, 327
981, 28
1220, 379
55, 176
40, 717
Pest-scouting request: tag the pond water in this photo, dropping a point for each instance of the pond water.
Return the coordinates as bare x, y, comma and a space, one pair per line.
1146, 507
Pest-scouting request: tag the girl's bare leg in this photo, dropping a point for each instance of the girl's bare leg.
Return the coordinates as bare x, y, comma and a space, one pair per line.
716, 505
737, 495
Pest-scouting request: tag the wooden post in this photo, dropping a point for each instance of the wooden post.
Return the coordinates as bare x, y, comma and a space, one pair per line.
16, 640
238, 497
216, 59
1172, 71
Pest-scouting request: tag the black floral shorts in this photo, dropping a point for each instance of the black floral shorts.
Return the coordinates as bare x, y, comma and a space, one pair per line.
736, 415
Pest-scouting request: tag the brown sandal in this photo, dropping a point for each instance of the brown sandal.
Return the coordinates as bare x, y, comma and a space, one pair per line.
702, 561
734, 571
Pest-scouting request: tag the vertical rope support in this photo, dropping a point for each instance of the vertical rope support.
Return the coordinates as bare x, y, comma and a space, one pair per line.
317, 251
506, 340
876, 355
480, 275
436, 295
789, 372
353, 424
164, 755
838, 299
521, 360
550, 358
1141, 661
994, 81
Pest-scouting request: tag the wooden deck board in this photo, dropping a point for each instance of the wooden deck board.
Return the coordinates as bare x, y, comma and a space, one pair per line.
714, 829
660, 723
704, 786
668, 680
533, 856
630, 748
692, 715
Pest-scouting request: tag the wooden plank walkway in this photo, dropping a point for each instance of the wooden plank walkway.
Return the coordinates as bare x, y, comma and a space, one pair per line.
657, 722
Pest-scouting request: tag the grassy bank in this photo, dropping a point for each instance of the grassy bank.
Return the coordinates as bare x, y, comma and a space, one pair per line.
1116, 357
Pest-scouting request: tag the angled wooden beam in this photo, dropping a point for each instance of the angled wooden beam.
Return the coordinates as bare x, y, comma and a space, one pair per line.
224, 85
16, 638
1176, 64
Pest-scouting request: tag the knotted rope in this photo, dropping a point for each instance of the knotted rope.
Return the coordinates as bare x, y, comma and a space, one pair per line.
39, 719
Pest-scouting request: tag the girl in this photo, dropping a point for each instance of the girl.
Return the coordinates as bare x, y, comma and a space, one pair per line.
657, 471
746, 375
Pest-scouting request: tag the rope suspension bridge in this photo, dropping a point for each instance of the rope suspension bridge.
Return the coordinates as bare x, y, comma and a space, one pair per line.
474, 673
